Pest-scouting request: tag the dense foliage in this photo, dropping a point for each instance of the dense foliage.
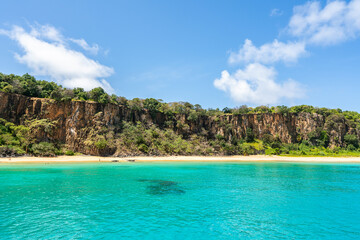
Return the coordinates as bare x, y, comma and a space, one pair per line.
27, 85
18, 140
138, 139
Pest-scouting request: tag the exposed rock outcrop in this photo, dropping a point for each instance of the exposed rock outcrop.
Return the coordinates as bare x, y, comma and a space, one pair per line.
75, 119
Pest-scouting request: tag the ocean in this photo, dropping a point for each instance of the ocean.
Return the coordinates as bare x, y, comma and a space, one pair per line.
180, 201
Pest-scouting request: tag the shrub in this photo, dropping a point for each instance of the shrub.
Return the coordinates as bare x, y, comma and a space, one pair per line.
247, 150
351, 147
284, 150
269, 151
219, 137
350, 139
101, 144
11, 151
43, 149
69, 153
143, 148
267, 138
276, 144
59, 152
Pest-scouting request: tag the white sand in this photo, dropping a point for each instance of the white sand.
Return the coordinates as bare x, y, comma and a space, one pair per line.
253, 158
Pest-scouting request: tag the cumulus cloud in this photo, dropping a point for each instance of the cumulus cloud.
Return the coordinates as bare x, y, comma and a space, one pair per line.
47, 53
310, 24
336, 22
256, 84
268, 53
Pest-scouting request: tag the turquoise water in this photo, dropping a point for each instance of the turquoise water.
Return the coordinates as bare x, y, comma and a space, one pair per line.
180, 201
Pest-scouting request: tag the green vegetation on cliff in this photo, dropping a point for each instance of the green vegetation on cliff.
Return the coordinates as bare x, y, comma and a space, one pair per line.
336, 134
16, 140
27, 85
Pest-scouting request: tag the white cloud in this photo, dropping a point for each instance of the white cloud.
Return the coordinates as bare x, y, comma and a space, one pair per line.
338, 21
268, 53
94, 49
276, 12
256, 84
47, 53
47, 32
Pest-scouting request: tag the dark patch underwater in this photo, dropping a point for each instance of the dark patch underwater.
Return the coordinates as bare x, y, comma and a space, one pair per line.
162, 187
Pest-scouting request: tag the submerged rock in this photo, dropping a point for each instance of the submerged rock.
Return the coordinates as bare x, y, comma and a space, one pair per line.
162, 187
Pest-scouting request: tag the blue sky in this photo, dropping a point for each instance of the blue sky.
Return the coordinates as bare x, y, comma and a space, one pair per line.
177, 50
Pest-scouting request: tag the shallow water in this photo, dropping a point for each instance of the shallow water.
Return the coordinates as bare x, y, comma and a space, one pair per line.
180, 201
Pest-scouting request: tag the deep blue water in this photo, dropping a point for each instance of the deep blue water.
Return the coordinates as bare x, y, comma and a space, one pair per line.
180, 201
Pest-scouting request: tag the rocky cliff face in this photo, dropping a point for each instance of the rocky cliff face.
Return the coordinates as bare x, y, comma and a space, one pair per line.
75, 119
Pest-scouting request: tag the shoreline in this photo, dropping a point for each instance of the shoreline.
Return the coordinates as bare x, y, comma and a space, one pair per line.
236, 158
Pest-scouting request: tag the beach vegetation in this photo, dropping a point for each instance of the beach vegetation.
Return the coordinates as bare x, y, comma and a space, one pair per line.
44, 149
69, 153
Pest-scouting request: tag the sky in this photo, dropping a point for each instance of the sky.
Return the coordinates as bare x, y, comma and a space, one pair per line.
213, 53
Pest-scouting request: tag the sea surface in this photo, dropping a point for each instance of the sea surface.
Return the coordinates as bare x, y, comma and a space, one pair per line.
180, 201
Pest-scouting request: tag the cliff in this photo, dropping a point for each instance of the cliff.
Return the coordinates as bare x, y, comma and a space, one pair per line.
75, 121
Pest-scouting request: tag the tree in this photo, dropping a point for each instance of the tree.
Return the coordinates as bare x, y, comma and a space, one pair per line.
227, 110
30, 86
113, 99
243, 109
282, 109
250, 137
104, 99
262, 109
96, 93
47, 88
152, 104
351, 139
67, 95
135, 104
267, 138
319, 137
198, 107
193, 116
24, 135
122, 101
56, 94
80, 94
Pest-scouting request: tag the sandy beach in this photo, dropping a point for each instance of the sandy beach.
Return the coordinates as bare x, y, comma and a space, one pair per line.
253, 158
